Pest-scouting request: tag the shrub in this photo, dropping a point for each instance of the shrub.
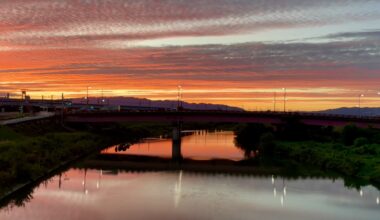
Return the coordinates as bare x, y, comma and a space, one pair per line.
349, 134
267, 144
360, 141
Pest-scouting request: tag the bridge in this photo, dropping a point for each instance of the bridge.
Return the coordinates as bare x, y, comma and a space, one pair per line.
99, 113
267, 117
178, 117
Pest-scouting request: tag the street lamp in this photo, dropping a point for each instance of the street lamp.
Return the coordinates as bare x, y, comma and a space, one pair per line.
360, 96
284, 89
87, 99
179, 96
359, 100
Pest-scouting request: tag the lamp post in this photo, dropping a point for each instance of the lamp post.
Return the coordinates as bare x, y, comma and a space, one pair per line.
285, 94
103, 100
87, 99
63, 108
359, 103
360, 99
179, 96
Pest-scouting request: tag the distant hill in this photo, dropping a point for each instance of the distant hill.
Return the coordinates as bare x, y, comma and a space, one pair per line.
354, 111
131, 101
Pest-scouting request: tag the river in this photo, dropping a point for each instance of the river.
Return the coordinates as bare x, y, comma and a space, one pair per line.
92, 194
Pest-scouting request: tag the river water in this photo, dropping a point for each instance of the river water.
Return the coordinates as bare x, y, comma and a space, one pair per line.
92, 194
199, 145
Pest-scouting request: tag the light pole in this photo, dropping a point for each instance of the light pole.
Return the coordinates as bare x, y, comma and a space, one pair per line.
360, 99
179, 96
103, 100
274, 101
359, 103
87, 99
285, 94
63, 108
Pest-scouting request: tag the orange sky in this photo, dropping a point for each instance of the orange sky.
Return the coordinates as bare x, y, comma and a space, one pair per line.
326, 54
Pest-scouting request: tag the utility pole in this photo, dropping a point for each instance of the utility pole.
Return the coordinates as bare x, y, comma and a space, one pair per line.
359, 103
87, 99
179, 97
285, 99
274, 101
63, 106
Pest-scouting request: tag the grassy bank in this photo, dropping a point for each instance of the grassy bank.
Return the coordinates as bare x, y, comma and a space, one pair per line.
361, 162
351, 151
25, 158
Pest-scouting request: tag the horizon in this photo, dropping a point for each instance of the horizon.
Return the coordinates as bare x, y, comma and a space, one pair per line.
239, 53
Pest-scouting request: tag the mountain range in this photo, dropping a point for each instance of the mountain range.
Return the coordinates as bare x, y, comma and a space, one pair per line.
132, 101
353, 111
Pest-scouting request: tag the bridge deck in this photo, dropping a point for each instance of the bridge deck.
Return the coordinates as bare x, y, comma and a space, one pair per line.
221, 116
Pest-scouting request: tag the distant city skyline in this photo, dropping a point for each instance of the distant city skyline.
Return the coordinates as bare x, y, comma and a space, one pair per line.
241, 53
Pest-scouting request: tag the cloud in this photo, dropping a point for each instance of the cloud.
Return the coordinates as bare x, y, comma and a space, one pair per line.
354, 60
220, 45
56, 24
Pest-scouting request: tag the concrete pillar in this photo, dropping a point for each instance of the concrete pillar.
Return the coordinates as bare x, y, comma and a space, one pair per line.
176, 143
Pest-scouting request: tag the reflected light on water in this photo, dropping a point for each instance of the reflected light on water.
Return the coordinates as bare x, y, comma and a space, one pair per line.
177, 190
146, 195
198, 145
282, 201
274, 192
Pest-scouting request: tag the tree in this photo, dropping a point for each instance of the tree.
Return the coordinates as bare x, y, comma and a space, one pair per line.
248, 137
267, 144
349, 134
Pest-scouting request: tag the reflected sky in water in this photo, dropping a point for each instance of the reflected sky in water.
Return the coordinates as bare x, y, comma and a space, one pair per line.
99, 194
201, 145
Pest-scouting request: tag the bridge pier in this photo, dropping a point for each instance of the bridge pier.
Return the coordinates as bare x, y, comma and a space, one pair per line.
176, 143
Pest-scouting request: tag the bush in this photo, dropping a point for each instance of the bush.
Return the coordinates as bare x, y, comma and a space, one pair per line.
267, 144
368, 149
376, 138
360, 141
248, 137
349, 134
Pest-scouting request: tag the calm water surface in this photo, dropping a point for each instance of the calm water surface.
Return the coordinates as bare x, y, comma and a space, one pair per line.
201, 145
87, 194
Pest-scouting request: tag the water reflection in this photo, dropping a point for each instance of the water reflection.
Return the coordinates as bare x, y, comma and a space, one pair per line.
98, 194
283, 190
177, 190
199, 145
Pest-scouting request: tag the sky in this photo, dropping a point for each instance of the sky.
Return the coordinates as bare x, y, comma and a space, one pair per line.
326, 53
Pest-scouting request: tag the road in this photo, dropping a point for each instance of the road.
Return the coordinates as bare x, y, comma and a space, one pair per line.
40, 115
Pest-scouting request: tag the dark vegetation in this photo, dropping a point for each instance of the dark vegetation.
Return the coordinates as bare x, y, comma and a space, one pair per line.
351, 151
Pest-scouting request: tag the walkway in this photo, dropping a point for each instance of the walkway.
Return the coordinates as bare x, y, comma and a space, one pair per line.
39, 116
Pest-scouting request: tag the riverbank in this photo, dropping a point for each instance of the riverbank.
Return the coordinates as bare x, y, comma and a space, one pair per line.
25, 159
351, 151
361, 162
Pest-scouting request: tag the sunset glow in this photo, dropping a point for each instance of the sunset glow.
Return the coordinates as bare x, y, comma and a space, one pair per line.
238, 53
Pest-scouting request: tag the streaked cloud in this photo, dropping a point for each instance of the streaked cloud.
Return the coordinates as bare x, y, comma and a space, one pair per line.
146, 47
